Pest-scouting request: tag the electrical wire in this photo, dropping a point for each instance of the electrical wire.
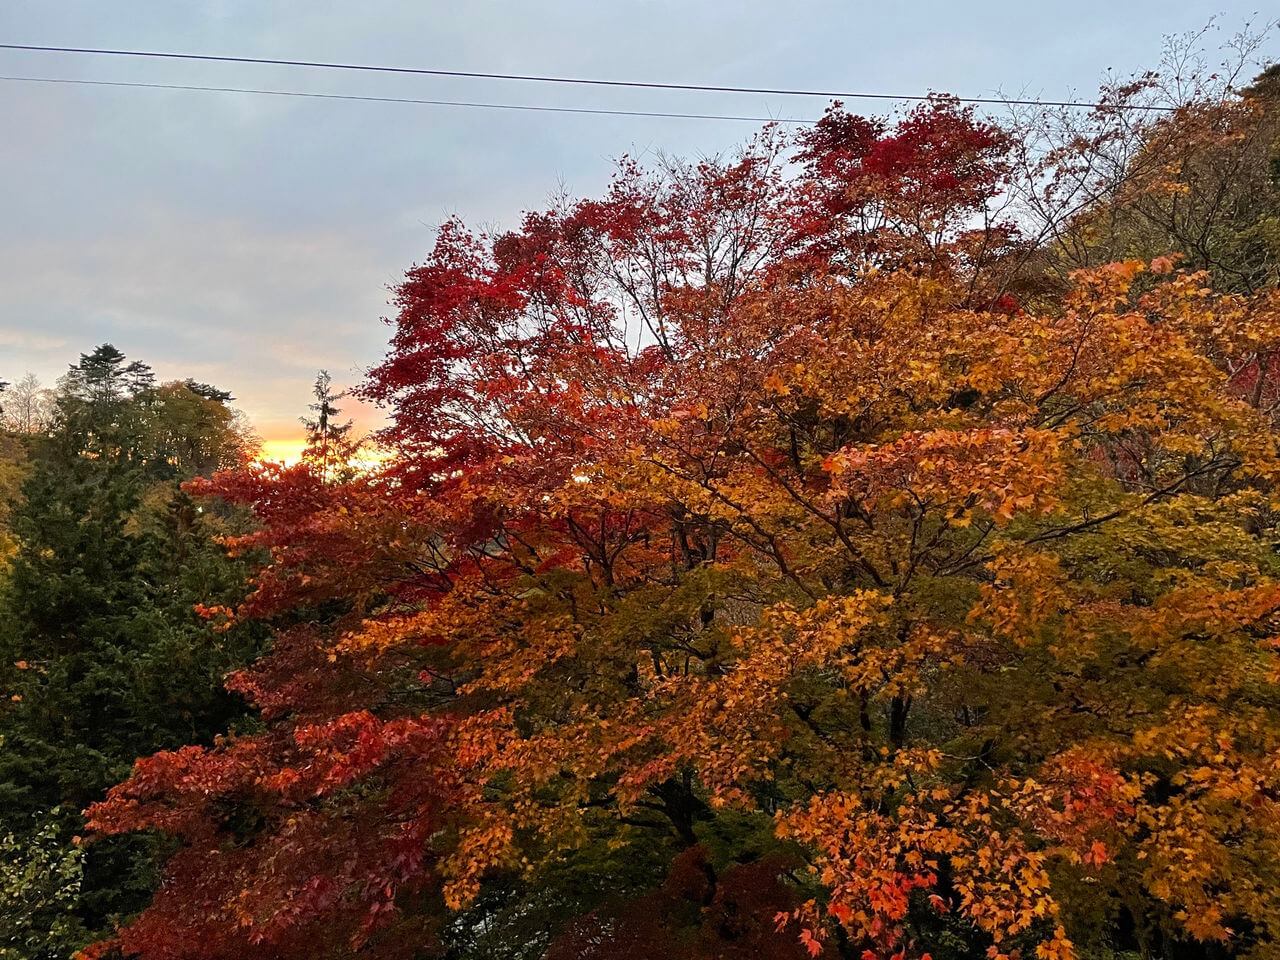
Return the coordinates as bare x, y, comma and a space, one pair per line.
372, 99
585, 81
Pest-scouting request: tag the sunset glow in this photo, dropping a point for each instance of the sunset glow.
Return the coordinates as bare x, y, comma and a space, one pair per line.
288, 451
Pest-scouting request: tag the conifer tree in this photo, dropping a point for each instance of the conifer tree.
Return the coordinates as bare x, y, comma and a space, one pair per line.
329, 444
102, 656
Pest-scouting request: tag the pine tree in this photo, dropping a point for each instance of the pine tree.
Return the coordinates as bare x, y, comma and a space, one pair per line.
103, 376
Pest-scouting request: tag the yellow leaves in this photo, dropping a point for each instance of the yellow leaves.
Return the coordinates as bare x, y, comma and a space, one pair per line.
881, 461
1025, 596
1210, 848
790, 640
1104, 287
872, 860
729, 726
1203, 612
375, 636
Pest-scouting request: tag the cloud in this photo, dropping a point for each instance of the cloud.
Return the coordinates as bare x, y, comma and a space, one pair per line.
254, 309
31, 342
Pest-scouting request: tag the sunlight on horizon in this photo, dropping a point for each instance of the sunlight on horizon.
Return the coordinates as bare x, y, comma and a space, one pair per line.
288, 451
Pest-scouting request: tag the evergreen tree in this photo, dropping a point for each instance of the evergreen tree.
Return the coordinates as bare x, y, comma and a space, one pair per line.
329, 444
103, 656
207, 390
104, 377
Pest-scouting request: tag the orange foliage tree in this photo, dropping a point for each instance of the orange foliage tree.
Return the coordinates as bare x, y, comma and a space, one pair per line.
760, 491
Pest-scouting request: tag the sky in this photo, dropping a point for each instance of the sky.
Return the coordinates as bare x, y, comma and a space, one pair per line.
250, 241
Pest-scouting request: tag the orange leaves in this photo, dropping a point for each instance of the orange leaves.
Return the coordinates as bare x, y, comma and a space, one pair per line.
1106, 287
481, 848
1001, 472
1058, 947
730, 726
1097, 854
811, 943
1210, 848
1026, 596
774, 383
1081, 804
926, 527
1205, 612
872, 862
222, 618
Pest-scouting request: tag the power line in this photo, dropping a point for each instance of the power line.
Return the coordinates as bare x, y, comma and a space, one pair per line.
371, 99
583, 81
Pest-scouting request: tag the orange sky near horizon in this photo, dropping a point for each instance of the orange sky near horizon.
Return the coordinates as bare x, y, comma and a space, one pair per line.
283, 450
284, 440
288, 450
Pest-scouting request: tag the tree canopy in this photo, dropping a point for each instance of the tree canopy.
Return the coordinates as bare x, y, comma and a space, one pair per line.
782, 554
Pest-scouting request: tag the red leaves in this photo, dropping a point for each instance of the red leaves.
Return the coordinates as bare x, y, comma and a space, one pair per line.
354, 745
923, 178
840, 141
811, 944
941, 157
315, 872
525, 338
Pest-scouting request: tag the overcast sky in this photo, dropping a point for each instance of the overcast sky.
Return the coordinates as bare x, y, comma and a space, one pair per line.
249, 241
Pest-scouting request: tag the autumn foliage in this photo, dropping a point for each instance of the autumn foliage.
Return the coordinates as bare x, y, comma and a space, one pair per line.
766, 511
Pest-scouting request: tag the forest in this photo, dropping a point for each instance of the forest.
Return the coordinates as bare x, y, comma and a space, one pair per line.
863, 545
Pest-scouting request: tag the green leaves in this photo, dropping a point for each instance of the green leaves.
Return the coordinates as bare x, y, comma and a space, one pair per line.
41, 872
